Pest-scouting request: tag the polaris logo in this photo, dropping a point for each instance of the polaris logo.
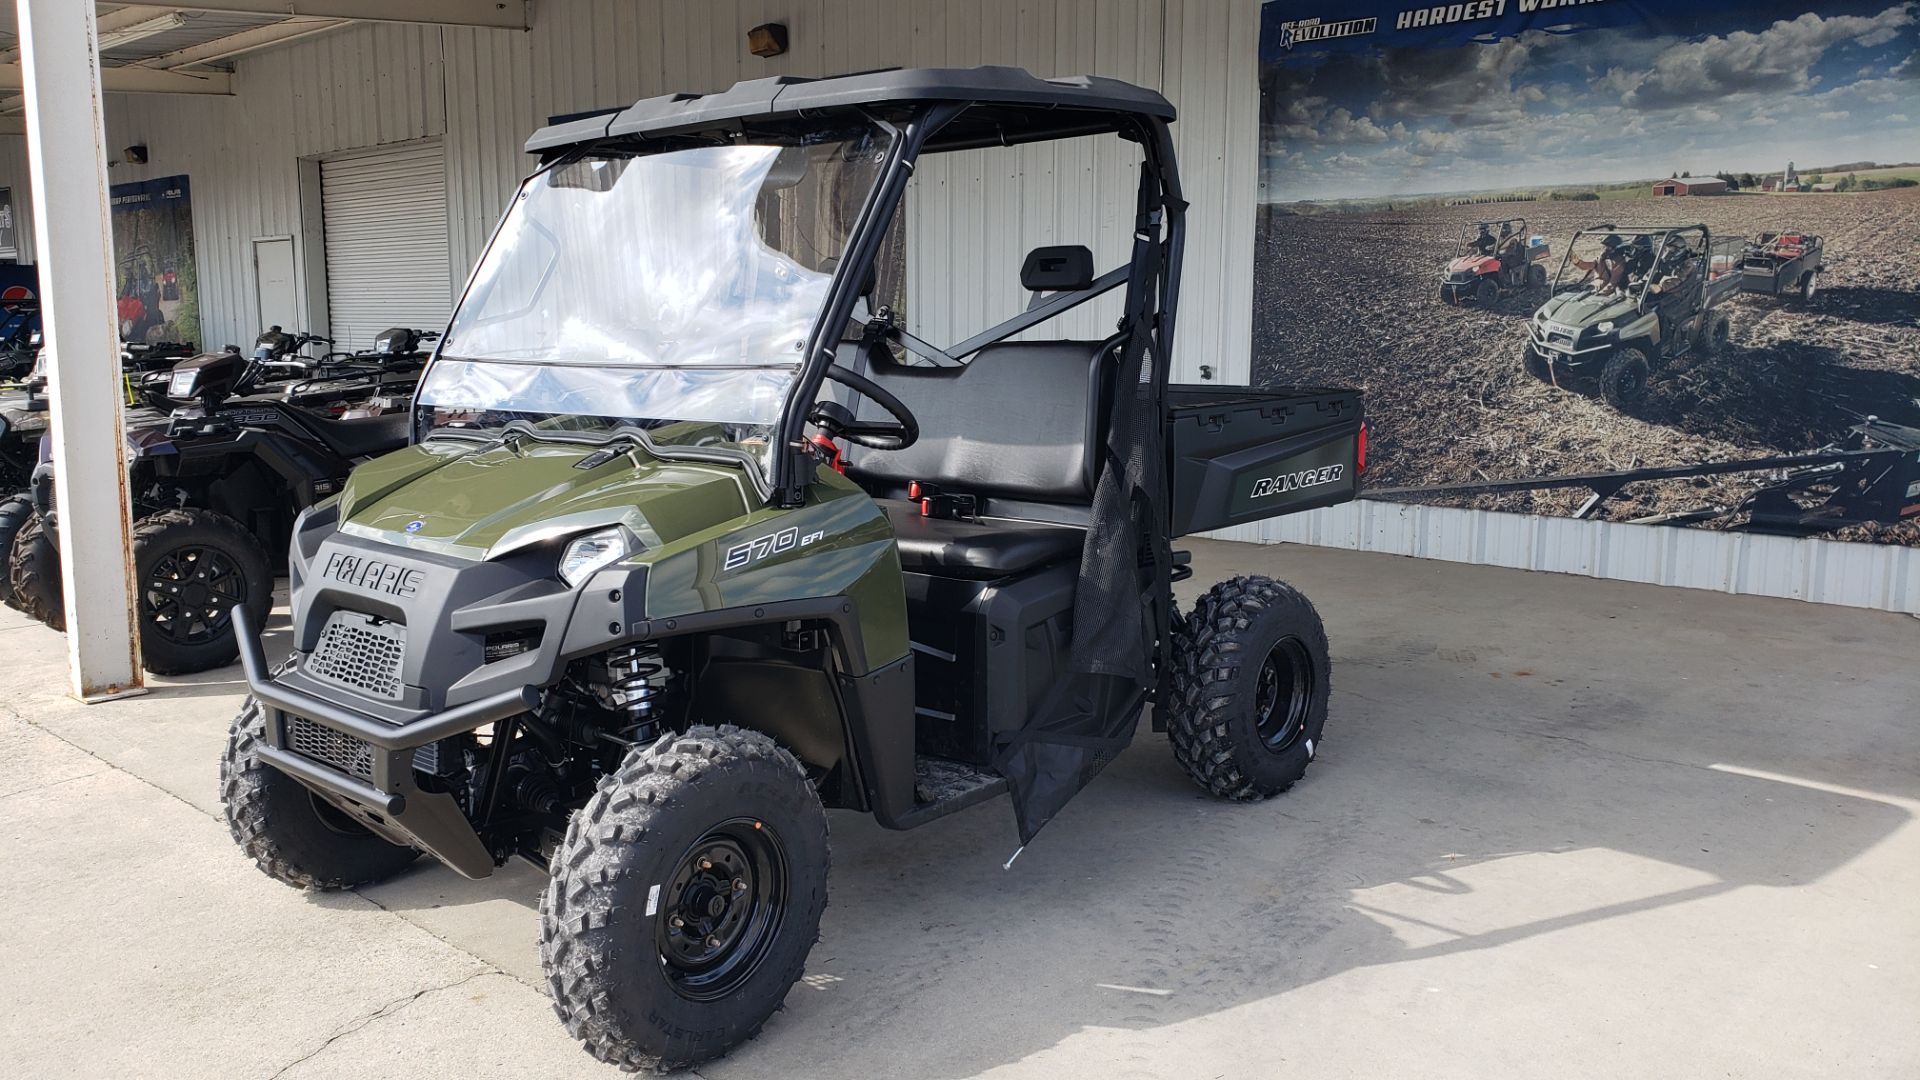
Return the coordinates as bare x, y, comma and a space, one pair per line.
373, 575
1294, 481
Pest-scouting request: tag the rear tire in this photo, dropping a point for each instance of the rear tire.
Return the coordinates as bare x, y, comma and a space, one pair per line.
1623, 381
193, 565
15, 512
290, 833
717, 832
33, 570
1718, 339
1251, 674
1536, 276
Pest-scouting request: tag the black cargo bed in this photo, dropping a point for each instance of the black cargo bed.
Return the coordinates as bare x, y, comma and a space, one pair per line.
1245, 453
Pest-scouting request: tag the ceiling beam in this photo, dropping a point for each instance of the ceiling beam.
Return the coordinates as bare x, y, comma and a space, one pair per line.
498, 14
139, 80
110, 22
246, 41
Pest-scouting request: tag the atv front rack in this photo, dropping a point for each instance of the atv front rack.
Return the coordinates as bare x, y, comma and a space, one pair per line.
387, 797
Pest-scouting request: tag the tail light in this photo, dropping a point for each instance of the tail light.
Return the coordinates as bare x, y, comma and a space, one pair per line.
1361, 466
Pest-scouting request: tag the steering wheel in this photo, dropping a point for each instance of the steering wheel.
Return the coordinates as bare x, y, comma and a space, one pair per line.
839, 422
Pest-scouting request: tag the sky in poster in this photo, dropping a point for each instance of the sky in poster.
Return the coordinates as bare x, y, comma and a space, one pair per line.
1612, 90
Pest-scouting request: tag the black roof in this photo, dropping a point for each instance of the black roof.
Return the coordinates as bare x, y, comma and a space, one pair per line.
1013, 106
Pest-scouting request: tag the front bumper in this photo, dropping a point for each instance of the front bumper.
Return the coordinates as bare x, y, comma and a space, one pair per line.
382, 793
1564, 352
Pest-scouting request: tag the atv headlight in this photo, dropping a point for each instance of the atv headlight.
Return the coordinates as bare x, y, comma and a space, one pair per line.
181, 384
588, 553
1604, 328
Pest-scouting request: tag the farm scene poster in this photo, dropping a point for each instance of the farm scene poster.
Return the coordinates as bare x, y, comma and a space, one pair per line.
1616, 260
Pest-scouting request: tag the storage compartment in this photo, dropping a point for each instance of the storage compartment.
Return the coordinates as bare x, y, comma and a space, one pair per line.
1243, 453
984, 654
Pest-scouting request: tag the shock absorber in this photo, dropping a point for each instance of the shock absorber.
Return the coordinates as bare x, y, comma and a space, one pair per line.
633, 680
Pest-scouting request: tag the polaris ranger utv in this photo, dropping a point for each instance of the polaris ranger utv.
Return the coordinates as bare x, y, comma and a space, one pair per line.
1628, 299
697, 539
1492, 266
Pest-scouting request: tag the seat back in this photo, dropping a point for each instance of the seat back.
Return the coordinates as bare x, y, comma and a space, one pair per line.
1022, 419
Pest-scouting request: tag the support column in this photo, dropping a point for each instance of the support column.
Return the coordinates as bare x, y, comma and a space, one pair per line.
66, 140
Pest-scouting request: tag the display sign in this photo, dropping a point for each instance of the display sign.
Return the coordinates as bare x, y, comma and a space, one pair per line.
9, 235
156, 284
1628, 261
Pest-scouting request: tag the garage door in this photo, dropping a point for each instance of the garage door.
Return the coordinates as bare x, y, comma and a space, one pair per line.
384, 215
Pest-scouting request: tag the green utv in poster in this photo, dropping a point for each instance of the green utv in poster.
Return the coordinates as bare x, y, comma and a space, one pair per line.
1651, 263
156, 287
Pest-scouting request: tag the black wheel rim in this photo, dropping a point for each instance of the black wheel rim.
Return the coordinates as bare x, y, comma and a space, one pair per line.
721, 910
190, 592
1283, 698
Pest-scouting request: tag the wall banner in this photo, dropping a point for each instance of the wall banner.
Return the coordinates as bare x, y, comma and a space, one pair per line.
156, 283
1656, 263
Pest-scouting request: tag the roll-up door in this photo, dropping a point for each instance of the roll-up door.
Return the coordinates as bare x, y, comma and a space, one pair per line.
384, 215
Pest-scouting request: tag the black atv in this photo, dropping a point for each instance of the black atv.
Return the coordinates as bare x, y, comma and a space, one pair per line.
215, 489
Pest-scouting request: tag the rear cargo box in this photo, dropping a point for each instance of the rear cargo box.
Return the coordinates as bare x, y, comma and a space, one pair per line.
1244, 453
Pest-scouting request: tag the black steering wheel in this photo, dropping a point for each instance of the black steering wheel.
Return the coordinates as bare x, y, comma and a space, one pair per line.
839, 422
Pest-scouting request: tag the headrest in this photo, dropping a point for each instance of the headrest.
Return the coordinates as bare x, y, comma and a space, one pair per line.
1066, 268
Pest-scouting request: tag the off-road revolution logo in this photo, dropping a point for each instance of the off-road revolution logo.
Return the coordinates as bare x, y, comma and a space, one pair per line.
1308, 31
372, 575
1294, 481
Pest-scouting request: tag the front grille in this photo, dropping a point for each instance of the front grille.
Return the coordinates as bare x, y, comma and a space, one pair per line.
360, 652
329, 747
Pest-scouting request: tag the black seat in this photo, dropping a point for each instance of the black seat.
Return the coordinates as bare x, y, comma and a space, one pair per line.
1019, 426
982, 549
360, 437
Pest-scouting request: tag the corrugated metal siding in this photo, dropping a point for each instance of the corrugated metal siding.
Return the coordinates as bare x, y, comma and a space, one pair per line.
1821, 571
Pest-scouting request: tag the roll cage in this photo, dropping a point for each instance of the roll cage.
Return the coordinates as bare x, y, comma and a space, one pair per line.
930, 111
1660, 242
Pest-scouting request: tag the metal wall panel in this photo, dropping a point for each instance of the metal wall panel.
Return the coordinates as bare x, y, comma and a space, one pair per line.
1822, 571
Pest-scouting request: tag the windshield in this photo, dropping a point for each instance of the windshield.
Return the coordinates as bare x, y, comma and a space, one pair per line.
670, 292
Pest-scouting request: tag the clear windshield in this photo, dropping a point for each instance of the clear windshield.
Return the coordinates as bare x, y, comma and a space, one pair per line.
670, 292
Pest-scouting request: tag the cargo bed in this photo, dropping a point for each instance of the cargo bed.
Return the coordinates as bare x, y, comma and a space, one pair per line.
1245, 453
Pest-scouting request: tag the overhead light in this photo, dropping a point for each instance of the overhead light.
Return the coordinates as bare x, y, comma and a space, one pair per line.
146, 28
767, 40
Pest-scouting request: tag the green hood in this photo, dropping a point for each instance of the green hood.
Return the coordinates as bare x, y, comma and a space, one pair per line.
479, 501
1585, 308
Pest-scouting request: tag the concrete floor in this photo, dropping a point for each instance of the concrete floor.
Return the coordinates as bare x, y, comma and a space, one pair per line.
1560, 827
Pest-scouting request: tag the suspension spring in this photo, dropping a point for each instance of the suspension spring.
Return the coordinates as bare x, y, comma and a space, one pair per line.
634, 681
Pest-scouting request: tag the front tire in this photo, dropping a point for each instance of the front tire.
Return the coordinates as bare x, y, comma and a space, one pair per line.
1623, 381
33, 570
291, 834
685, 899
1486, 294
1535, 364
1250, 683
193, 566
15, 512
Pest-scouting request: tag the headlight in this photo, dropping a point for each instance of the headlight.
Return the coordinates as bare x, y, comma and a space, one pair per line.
588, 553
1604, 328
181, 385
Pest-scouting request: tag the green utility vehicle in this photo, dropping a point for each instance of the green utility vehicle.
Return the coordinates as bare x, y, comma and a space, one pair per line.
697, 539
1629, 299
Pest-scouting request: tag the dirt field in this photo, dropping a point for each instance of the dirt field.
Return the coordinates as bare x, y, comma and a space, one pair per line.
1351, 299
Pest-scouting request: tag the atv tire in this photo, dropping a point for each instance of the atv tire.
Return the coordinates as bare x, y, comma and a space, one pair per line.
1623, 381
1251, 674
1534, 364
1717, 339
684, 899
192, 566
291, 834
33, 572
15, 512
1536, 276
1486, 294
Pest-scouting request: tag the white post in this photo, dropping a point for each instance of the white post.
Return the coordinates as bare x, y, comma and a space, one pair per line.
66, 155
